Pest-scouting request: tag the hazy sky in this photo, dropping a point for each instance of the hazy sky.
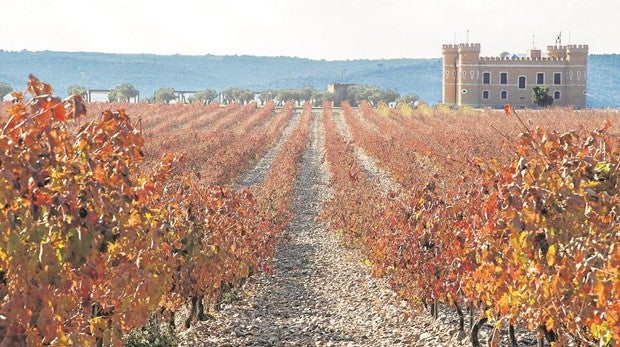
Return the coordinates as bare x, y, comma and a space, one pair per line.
318, 29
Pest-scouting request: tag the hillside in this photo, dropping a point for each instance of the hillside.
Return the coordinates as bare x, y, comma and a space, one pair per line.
149, 72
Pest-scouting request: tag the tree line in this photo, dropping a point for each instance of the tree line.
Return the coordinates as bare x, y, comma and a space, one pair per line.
355, 93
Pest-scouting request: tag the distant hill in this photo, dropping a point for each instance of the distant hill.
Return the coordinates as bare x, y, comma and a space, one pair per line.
603, 80
148, 72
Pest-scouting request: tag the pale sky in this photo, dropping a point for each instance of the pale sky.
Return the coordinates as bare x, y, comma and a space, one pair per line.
316, 29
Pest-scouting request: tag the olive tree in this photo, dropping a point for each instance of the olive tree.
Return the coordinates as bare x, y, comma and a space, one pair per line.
409, 98
5, 89
319, 97
389, 95
76, 90
164, 95
242, 96
123, 92
306, 93
285, 95
372, 94
205, 97
267, 95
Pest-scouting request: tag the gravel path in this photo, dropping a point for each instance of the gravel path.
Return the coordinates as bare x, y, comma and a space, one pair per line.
369, 163
257, 174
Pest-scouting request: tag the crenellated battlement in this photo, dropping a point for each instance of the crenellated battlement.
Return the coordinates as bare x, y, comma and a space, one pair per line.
567, 47
450, 49
517, 59
469, 47
461, 46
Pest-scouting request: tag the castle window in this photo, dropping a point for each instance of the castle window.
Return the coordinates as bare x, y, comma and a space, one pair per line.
471, 74
503, 78
522, 80
503, 95
464, 74
579, 75
570, 75
540, 78
557, 78
486, 78
556, 95
485, 95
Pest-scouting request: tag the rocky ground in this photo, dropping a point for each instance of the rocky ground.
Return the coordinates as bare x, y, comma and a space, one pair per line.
257, 174
319, 292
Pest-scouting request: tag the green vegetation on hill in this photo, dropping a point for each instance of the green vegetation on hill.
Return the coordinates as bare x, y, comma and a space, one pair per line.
604, 80
149, 72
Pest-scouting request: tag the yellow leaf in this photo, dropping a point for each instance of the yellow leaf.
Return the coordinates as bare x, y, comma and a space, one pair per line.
97, 326
62, 340
551, 255
550, 323
602, 332
523, 237
134, 219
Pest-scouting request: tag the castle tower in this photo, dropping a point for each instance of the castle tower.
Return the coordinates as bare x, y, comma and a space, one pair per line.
468, 74
449, 73
577, 53
557, 52
577, 62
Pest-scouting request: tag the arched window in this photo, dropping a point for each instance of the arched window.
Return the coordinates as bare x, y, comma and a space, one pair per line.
556, 95
522, 81
485, 94
503, 95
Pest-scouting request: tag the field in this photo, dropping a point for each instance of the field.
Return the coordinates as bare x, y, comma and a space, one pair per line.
501, 223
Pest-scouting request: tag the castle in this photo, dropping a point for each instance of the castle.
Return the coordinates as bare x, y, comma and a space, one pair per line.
469, 79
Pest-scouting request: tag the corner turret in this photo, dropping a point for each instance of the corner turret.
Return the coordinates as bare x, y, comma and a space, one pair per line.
577, 53
449, 71
469, 53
